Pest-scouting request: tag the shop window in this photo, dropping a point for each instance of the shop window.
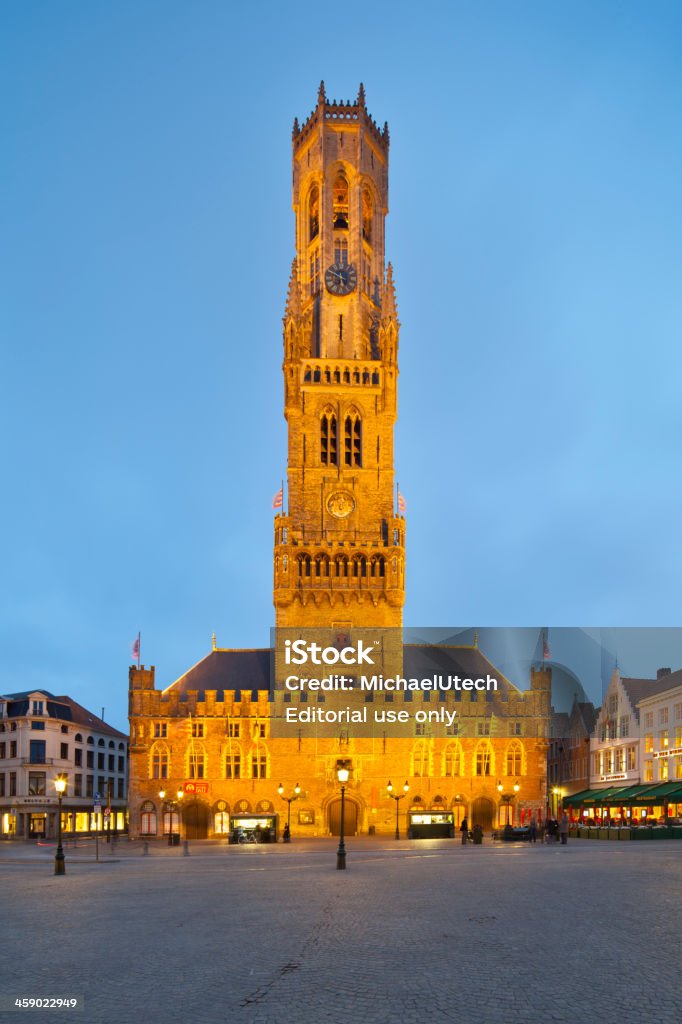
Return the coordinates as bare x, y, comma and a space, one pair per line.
148, 819
221, 823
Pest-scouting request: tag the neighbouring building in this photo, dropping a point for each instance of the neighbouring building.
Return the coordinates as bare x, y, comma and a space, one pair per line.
568, 757
660, 716
211, 741
44, 737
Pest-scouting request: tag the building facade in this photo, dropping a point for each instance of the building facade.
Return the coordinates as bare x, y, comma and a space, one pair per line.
43, 738
212, 742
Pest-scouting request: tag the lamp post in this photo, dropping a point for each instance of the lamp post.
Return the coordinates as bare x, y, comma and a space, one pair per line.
170, 804
59, 865
397, 799
342, 774
289, 800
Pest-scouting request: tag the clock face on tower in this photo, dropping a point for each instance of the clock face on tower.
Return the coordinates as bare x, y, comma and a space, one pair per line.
341, 278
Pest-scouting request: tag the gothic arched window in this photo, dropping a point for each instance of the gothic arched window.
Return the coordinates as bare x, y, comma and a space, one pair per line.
452, 759
196, 761
353, 440
159, 761
340, 203
313, 213
367, 211
514, 758
329, 450
484, 760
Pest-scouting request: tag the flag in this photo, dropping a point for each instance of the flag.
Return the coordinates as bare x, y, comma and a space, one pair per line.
136, 648
402, 504
278, 499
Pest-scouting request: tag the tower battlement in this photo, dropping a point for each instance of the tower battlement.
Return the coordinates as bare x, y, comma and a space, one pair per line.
341, 112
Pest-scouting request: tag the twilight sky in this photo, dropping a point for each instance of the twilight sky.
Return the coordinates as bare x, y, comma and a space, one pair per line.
536, 234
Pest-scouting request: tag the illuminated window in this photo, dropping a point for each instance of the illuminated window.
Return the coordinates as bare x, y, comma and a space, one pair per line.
197, 730
624, 726
420, 759
160, 730
663, 769
233, 730
631, 758
648, 772
148, 819
221, 823
648, 743
678, 767
233, 765
663, 738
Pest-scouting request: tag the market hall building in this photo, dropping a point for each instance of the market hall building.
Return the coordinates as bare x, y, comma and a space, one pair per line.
206, 753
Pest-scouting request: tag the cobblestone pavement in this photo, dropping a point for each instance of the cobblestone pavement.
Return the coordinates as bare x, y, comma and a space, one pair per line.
410, 932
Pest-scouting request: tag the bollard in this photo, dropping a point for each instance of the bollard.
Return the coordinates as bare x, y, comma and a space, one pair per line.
185, 848
145, 849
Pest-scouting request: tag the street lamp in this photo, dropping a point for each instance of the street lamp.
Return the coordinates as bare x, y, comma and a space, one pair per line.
397, 799
59, 866
170, 804
289, 800
507, 798
342, 775
556, 793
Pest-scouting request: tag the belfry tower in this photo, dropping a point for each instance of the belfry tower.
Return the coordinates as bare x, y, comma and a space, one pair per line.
340, 548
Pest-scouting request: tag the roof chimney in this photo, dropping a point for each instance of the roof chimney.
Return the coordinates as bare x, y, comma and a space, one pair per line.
662, 672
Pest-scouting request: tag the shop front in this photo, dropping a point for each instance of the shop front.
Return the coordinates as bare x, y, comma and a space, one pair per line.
431, 824
254, 828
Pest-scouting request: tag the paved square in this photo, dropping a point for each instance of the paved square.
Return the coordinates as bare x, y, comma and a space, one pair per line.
410, 932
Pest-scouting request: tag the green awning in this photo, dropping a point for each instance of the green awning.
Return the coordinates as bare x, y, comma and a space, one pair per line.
575, 799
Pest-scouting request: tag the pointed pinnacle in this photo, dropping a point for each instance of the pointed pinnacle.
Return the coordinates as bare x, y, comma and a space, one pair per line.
295, 130
389, 306
321, 94
361, 96
293, 306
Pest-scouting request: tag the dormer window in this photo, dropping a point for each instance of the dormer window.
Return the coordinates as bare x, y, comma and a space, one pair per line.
340, 204
38, 707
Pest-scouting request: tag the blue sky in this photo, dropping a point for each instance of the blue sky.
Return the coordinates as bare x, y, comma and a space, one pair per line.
535, 228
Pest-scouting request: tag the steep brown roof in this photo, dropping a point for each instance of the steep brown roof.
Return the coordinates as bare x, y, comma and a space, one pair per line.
640, 689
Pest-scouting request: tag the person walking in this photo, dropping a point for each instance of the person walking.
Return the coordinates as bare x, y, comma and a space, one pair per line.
464, 829
533, 831
563, 828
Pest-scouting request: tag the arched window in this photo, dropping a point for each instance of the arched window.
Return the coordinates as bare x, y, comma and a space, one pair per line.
329, 443
91, 741
360, 566
420, 760
341, 563
304, 565
378, 567
221, 823
340, 203
313, 213
453, 760
259, 762
196, 761
315, 271
514, 759
78, 738
159, 761
101, 743
484, 759
148, 819
321, 565
367, 211
353, 440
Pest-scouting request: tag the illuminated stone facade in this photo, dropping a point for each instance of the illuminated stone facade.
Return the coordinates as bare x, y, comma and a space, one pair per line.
339, 567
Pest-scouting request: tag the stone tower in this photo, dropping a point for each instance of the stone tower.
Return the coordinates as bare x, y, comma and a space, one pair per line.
340, 547
339, 552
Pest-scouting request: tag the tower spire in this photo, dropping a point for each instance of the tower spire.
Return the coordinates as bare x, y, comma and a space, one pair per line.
360, 101
321, 94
